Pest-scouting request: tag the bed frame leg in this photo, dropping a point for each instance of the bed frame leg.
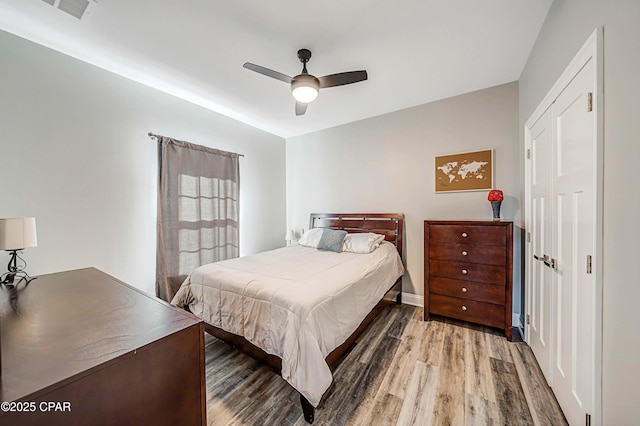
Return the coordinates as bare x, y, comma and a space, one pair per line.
307, 409
399, 299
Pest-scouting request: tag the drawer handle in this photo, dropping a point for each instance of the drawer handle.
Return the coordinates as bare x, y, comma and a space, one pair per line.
464, 272
464, 289
464, 253
464, 308
464, 235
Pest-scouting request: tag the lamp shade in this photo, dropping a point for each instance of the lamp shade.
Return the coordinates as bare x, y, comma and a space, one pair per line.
290, 235
17, 233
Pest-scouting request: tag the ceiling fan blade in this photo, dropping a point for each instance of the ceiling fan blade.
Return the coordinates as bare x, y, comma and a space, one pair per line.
266, 71
342, 78
301, 108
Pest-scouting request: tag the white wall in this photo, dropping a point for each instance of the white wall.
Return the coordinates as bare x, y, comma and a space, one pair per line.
568, 25
386, 164
74, 153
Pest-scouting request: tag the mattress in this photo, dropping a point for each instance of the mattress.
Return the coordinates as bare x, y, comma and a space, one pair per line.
297, 303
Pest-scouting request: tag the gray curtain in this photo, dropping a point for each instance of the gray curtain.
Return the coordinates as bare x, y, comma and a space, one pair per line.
198, 192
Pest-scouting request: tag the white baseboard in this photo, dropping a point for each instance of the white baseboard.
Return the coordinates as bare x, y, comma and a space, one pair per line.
412, 299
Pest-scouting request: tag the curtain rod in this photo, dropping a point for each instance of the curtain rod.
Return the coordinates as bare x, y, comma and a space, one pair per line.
153, 135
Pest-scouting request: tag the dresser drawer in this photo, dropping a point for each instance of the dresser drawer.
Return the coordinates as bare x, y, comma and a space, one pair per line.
490, 274
468, 234
467, 290
467, 310
490, 255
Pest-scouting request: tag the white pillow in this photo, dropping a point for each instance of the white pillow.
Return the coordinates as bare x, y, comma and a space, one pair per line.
311, 238
362, 242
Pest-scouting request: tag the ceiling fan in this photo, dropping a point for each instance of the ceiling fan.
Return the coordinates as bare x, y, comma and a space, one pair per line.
304, 86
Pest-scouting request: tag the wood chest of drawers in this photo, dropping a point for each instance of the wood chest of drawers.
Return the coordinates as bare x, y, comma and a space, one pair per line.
468, 271
107, 352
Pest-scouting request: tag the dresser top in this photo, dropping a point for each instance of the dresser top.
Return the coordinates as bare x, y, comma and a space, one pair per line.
62, 326
470, 222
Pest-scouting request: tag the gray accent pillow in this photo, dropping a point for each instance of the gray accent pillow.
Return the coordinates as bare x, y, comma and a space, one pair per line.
332, 239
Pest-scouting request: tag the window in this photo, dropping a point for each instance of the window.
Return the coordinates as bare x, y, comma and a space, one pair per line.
198, 216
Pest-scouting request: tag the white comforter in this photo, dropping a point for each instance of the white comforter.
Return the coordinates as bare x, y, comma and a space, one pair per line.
297, 303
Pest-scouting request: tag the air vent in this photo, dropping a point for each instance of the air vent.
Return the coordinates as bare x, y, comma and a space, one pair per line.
76, 8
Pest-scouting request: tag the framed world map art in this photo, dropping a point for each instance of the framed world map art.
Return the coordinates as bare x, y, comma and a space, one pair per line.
468, 171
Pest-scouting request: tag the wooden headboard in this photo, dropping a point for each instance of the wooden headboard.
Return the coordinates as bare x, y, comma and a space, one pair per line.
387, 224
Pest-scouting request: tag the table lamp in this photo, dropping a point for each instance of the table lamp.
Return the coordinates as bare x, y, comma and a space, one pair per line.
16, 234
290, 236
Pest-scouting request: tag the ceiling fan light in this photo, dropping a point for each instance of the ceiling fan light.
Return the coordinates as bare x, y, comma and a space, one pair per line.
304, 88
305, 94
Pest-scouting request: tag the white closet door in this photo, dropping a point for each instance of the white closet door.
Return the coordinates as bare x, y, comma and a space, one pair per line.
564, 216
540, 332
573, 241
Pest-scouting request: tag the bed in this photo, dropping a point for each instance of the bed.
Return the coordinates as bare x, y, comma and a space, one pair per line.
298, 309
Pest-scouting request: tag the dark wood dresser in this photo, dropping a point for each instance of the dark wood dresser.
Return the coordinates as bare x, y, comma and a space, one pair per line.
82, 348
468, 271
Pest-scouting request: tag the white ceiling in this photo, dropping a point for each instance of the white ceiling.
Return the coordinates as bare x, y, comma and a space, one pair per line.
415, 51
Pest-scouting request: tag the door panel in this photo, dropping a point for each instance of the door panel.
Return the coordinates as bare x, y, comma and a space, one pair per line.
573, 231
540, 307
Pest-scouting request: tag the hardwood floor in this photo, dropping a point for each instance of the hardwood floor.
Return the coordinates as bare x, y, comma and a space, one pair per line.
403, 371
